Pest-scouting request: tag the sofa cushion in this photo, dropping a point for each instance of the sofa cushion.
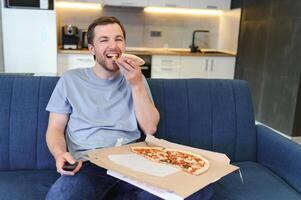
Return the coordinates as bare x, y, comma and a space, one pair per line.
18, 185
211, 114
259, 183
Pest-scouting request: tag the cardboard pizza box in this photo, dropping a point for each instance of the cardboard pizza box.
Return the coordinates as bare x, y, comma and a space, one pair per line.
122, 162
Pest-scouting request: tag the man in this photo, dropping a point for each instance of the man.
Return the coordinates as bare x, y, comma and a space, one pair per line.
97, 107
94, 108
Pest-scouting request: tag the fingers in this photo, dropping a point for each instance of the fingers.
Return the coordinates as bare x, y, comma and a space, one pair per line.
69, 158
62, 159
80, 163
128, 65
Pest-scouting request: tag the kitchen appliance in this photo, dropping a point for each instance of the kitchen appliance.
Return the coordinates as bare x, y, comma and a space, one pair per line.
84, 39
147, 67
29, 39
70, 37
32, 4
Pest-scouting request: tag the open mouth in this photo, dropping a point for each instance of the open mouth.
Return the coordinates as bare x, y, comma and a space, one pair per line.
112, 55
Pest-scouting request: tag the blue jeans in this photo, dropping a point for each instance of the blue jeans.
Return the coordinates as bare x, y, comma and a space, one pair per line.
92, 182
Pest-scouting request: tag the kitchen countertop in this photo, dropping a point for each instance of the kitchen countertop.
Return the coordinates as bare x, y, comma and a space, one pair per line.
161, 51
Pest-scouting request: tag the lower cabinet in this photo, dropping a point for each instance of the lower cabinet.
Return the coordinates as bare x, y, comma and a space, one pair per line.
165, 66
221, 67
71, 61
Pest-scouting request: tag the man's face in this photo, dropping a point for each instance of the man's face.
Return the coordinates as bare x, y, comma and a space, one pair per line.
108, 42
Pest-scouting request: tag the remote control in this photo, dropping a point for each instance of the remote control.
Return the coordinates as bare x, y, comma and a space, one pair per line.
69, 167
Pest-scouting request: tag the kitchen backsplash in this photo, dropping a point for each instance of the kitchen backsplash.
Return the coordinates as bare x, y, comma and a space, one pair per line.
176, 30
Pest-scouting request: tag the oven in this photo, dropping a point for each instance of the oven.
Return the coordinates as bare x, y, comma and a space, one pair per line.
147, 67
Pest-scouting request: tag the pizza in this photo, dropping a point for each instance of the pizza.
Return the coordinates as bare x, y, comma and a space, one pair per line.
184, 160
125, 56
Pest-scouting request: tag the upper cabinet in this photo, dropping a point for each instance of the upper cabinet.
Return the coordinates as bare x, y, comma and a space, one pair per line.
197, 4
211, 4
131, 3
169, 3
82, 1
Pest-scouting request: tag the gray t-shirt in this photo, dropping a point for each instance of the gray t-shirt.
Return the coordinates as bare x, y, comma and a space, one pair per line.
101, 112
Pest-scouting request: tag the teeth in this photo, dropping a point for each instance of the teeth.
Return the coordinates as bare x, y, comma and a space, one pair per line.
112, 55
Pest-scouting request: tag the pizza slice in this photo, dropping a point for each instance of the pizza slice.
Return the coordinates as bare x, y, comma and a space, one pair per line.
186, 161
192, 163
151, 153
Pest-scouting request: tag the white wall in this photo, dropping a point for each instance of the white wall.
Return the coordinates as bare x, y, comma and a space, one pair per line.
229, 30
176, 29
1, 43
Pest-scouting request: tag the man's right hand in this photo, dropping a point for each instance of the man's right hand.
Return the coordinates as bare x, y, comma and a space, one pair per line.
61, 159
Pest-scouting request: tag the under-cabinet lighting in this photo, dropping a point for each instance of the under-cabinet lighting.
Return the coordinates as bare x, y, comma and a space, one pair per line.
183, 11
77, 5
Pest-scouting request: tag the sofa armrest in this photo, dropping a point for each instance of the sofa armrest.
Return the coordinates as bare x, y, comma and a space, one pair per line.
279, 154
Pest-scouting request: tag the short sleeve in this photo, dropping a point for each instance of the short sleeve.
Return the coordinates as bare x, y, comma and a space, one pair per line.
148, 89
58, 101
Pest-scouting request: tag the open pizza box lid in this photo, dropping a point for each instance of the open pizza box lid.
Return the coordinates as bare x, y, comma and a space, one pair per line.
121, 163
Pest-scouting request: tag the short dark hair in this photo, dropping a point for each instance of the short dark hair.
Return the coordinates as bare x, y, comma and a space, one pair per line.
102, 21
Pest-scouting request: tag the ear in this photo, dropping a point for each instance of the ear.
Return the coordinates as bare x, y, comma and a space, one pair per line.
91, 49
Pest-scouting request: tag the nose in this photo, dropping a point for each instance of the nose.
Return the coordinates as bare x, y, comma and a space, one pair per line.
112, 44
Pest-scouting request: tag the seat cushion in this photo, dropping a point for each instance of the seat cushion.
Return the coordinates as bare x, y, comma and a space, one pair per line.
259, 183
18, 185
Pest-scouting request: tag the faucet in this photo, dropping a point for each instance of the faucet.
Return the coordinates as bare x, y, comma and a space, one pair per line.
194, 48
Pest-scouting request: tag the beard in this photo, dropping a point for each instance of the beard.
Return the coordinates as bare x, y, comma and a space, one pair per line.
108, 65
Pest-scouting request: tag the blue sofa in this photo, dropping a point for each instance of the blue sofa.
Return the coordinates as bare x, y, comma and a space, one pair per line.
211, 114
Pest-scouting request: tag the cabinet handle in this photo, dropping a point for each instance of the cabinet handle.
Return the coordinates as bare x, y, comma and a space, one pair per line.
170, 5
212, 63
144, 67
166, 61
206, 65
166, 69
212, 7
126, 3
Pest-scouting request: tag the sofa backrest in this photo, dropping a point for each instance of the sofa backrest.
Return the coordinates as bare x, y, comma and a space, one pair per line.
23, 122
211, 114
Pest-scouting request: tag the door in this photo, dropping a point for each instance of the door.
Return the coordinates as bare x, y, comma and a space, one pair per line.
193, 67
221, 67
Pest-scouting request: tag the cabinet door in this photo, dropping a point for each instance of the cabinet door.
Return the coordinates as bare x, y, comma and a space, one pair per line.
218, 4
169, 3
132, 3
193, 67
211, 4
72, 61
165, 66
221, 67
198, 4
82, 1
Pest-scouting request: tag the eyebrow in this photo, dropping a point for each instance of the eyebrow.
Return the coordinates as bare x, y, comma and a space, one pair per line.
119, 36
106, 37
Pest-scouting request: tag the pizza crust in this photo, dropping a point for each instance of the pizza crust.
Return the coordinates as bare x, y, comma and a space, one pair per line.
134, 58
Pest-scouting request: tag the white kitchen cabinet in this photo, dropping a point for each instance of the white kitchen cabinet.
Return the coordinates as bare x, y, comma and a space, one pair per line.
165, 66
130, 3
193, 67
169, 3
82, 1
71, 61
211, 4
221, 67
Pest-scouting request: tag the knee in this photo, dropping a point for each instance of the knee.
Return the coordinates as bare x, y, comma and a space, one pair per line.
71, 187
